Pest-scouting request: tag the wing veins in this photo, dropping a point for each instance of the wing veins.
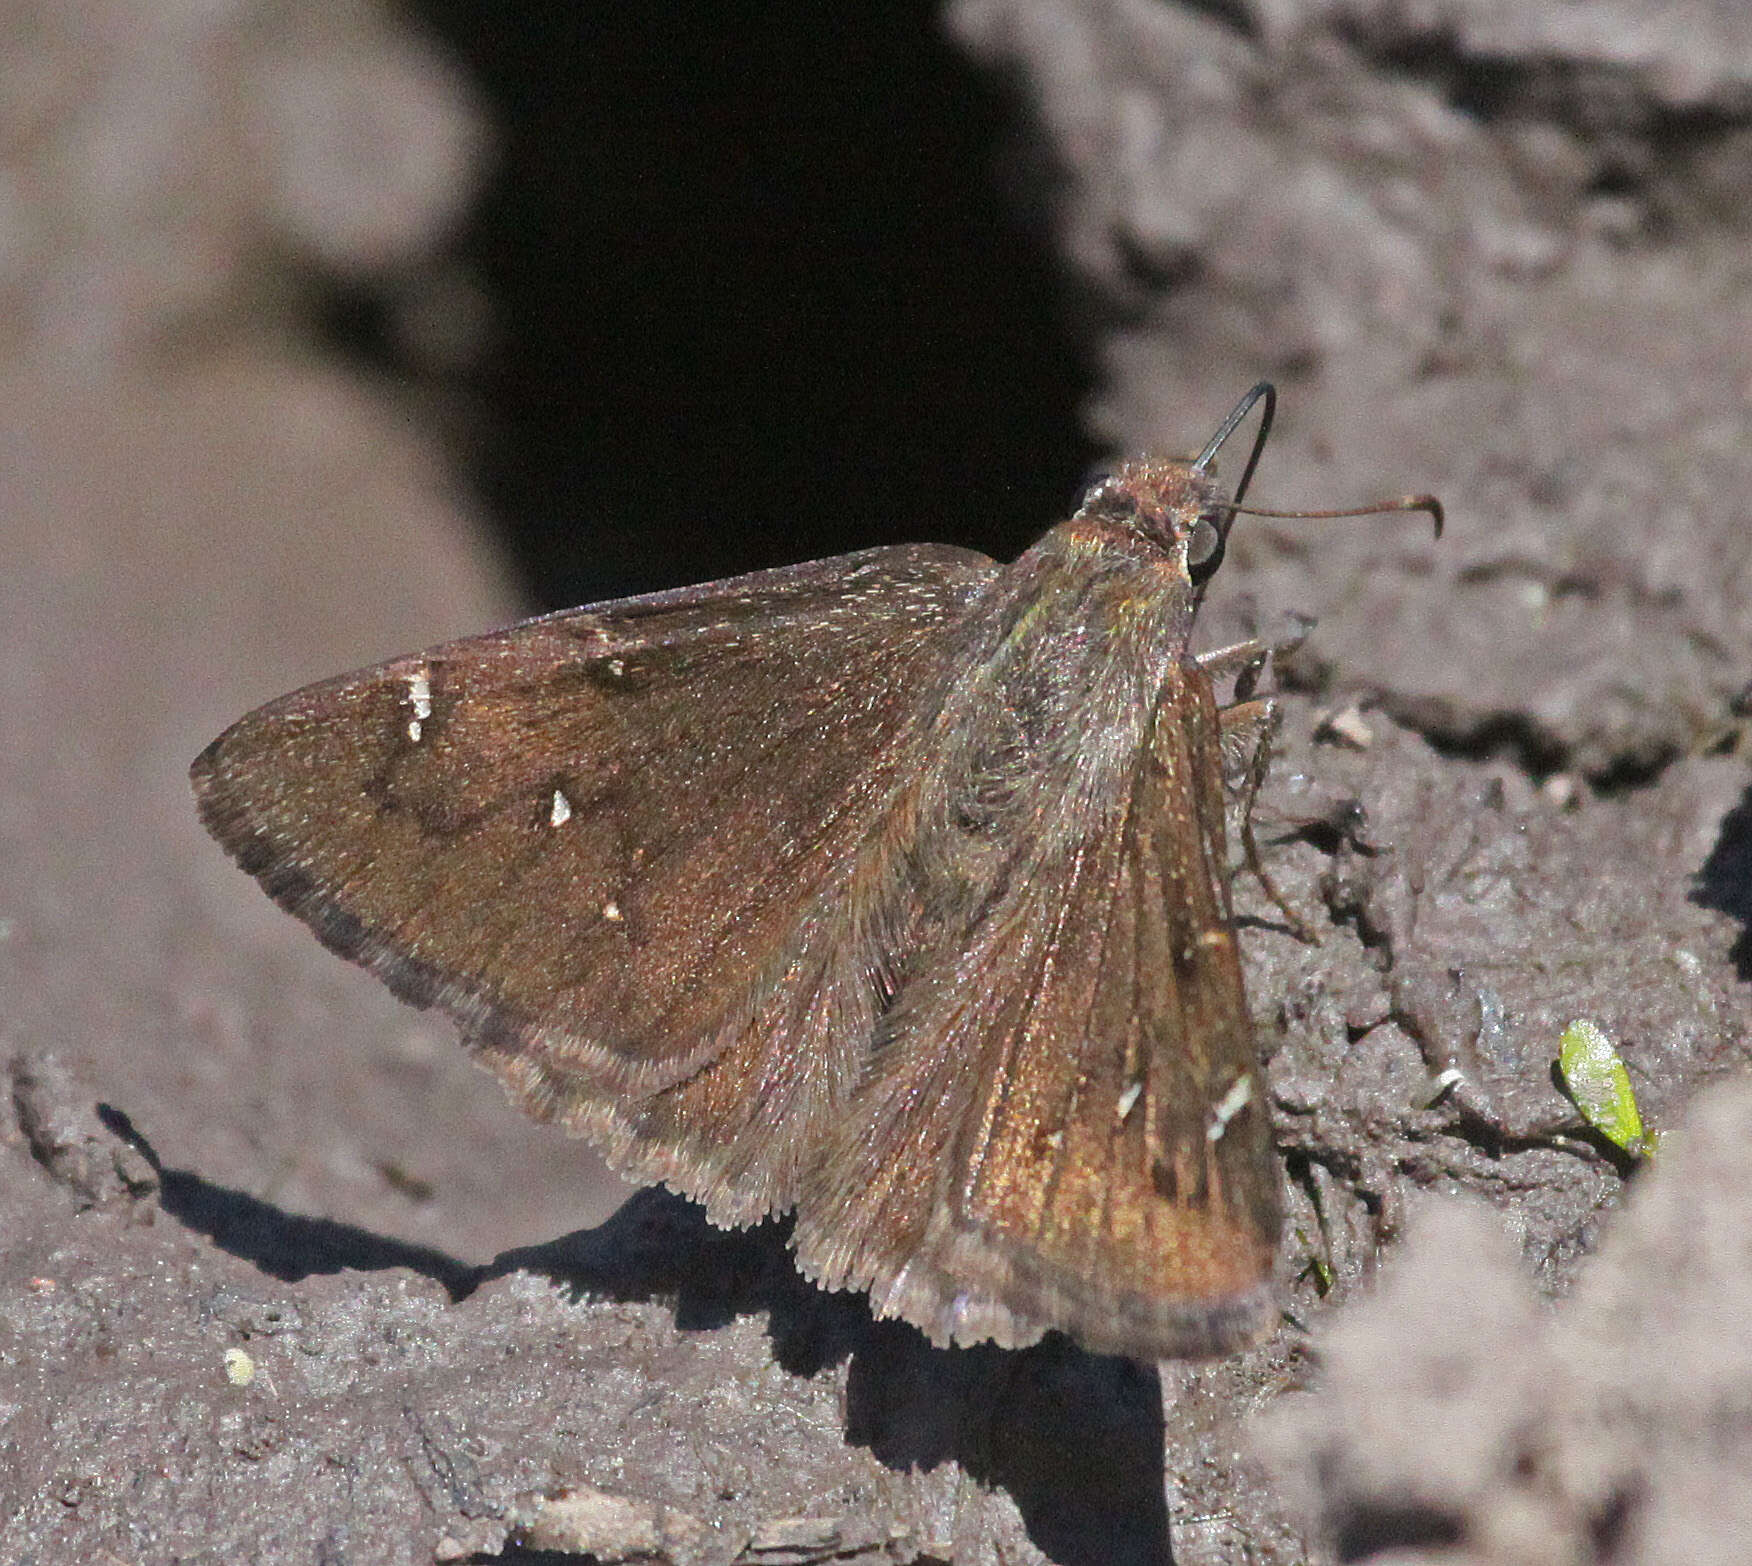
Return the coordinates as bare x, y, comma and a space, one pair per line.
1018, 1035
1124, 827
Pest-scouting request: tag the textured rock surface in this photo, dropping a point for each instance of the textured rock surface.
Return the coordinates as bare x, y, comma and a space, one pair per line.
281, 1278
1500, 260
1457, 1415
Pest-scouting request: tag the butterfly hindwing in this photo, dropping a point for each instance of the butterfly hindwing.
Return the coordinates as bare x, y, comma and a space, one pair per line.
1066, 1125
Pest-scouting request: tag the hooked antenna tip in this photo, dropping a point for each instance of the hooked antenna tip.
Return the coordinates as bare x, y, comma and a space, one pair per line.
1427, 503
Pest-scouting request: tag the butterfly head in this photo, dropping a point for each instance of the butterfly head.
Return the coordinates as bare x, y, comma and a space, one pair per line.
1172, 505
1176, 504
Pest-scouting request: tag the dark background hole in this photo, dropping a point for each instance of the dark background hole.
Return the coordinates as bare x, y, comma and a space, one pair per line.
758, 295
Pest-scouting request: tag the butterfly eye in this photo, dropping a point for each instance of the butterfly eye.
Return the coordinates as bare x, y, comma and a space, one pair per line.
1204, 548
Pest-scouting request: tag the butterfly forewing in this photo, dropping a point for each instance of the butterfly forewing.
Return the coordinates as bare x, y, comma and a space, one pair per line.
547, 832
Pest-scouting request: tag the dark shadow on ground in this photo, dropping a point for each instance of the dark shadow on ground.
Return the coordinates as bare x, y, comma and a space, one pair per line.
1075, 1438
284, 1245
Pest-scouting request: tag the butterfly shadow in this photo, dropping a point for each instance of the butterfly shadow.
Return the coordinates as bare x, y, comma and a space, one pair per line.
1075, 1439
284, 1245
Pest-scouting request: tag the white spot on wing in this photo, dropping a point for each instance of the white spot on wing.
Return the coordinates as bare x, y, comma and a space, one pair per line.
420, 699
1128, 1100
611, 912
1239, 1096
562, 811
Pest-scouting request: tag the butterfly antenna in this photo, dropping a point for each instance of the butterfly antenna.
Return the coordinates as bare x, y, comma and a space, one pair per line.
1264, 392
1426, 503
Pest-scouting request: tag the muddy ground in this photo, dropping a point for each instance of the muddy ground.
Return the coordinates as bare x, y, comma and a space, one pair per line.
282, 1277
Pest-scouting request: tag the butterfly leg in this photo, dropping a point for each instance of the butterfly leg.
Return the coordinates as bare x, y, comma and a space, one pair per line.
1247, 660
1248, 727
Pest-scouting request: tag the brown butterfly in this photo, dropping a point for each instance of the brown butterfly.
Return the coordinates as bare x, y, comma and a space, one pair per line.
891, 889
